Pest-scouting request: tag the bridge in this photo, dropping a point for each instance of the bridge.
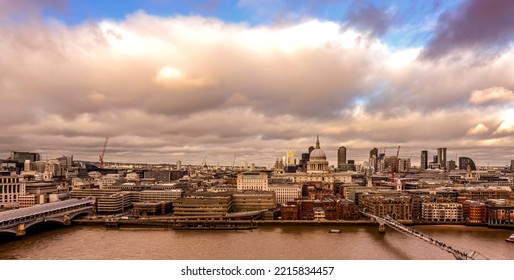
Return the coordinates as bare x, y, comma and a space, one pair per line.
17, 221
457, 253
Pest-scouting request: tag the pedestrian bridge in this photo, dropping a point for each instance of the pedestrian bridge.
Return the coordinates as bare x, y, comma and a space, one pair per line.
459, 254
17, 221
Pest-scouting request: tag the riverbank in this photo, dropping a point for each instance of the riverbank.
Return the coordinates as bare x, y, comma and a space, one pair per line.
169, 222
193, 224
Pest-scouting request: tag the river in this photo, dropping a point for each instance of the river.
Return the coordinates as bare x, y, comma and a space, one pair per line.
284, 242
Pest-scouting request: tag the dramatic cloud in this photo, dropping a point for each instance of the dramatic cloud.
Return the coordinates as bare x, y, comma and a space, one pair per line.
183, 88
481, 27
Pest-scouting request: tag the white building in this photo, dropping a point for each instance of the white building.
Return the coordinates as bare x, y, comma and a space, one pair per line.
11, 187
286, 192
252, 181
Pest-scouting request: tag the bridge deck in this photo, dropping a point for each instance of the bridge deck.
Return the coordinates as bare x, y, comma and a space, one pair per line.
11, 215
458, 254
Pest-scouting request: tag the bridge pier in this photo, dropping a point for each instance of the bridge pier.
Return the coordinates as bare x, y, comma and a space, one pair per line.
20, 230
382, 228
67, 220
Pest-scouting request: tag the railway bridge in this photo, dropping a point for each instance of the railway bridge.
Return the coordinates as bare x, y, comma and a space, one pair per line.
18, 220
459, 254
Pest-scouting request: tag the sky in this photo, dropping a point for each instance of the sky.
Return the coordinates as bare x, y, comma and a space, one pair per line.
234, 81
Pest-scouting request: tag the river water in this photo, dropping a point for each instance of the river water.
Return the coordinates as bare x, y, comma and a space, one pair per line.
284, 242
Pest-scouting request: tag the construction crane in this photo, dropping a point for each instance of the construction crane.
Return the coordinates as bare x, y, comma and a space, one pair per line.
395, 165
101, 156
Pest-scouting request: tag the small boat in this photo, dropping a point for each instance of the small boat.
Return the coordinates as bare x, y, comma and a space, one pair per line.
335, 231
511, 238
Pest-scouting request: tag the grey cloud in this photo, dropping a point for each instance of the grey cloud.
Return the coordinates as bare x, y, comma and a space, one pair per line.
482, 27
368, 18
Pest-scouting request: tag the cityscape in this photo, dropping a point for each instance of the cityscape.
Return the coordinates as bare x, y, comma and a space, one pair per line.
243, 197
257, 130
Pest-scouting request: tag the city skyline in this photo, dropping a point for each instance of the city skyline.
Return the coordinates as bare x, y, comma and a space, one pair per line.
249, 79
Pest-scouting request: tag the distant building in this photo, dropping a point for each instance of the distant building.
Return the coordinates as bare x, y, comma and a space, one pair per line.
254, 200
21, 157
373, 159
424, 160
115, 203
341, 156
403, 165
474, 212
442, 212
464, 162
286, 192
11, 188
398, 207
252, 181
203, 204
441, 157
160, 195
500, 213
289, 158
451, 165
317, 160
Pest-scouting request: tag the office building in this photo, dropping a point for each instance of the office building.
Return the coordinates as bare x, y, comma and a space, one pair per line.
465, 161
11, 188
424, 160
286, 192
441, 157
257, 181
373, 159
341, 156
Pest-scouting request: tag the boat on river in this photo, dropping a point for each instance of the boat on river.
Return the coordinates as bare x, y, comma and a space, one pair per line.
511, 238
335, 231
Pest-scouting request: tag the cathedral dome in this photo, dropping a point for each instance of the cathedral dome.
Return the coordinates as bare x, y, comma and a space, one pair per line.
317, 154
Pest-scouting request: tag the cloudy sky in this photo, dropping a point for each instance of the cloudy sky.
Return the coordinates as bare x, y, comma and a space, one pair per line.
188, 80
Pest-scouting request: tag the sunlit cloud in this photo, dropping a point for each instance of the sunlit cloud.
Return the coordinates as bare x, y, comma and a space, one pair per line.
490, 95
478, 129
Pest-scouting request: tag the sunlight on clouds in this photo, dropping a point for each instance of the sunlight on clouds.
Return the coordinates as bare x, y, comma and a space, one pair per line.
167, 73
493, 94
307, 35
402, 58
478, 129
174, 78
507, 125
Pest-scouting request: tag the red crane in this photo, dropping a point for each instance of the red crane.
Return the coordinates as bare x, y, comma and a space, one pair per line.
103, 153
395, 165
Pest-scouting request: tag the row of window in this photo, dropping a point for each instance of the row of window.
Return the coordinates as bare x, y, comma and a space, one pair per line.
10, 189
9, 180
